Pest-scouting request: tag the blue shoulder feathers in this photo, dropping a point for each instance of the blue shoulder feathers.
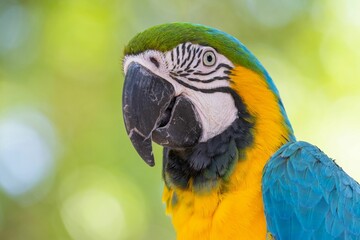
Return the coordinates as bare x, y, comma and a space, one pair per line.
308, 196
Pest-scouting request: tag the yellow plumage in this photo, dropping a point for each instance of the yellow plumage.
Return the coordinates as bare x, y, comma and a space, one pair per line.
234, 209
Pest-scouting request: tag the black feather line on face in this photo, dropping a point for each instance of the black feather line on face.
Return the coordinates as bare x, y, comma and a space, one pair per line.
204, 90
221, 65
192, 59
197, 64
188, 57
183, 51
209, 80
177, 55
213, 160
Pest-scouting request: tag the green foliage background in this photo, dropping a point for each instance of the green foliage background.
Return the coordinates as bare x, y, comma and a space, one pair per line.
67, 168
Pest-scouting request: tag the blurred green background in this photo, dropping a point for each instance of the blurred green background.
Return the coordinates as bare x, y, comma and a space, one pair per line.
67, 168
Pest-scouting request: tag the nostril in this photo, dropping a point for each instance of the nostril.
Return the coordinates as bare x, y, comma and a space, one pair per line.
155, 62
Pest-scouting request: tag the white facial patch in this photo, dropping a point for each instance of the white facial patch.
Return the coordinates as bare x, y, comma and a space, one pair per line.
217, 112
200, 79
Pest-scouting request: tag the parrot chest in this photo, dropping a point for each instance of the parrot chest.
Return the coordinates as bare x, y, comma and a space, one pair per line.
232, 215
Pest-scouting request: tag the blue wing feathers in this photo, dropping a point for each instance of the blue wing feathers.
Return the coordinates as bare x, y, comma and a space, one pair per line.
289, 151
308, 196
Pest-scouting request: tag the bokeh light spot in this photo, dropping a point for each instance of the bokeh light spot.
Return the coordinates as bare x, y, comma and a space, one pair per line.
26, 151
97, 214
97, 204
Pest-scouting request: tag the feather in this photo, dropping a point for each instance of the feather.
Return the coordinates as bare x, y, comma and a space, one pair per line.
309, 190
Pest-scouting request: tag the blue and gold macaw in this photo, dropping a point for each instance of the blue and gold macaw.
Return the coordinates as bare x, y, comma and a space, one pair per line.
232, 166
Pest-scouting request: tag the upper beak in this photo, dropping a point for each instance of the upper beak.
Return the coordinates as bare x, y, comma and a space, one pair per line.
152, 112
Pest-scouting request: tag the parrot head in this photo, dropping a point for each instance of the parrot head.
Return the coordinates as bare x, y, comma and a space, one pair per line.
196, 91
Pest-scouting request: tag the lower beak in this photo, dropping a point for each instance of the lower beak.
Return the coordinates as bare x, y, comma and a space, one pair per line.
152, 112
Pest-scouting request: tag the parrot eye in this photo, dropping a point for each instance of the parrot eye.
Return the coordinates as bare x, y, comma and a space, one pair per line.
209, 58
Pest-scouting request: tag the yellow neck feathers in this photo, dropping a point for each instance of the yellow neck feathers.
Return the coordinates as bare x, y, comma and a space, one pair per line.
234, 211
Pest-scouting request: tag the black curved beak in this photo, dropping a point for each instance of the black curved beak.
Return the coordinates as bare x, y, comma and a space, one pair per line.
152, 112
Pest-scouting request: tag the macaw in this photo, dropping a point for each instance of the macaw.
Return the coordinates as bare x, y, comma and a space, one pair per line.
232, 166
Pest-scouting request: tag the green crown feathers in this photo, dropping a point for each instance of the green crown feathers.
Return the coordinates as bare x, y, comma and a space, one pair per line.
167, 36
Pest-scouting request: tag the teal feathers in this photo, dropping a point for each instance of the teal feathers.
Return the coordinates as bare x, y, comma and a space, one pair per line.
308, 196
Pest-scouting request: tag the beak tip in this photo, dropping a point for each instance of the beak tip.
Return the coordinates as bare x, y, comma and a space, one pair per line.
148, 156
150, 162
142, 146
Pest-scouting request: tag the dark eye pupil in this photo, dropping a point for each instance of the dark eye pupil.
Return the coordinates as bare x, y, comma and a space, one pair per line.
209, 58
